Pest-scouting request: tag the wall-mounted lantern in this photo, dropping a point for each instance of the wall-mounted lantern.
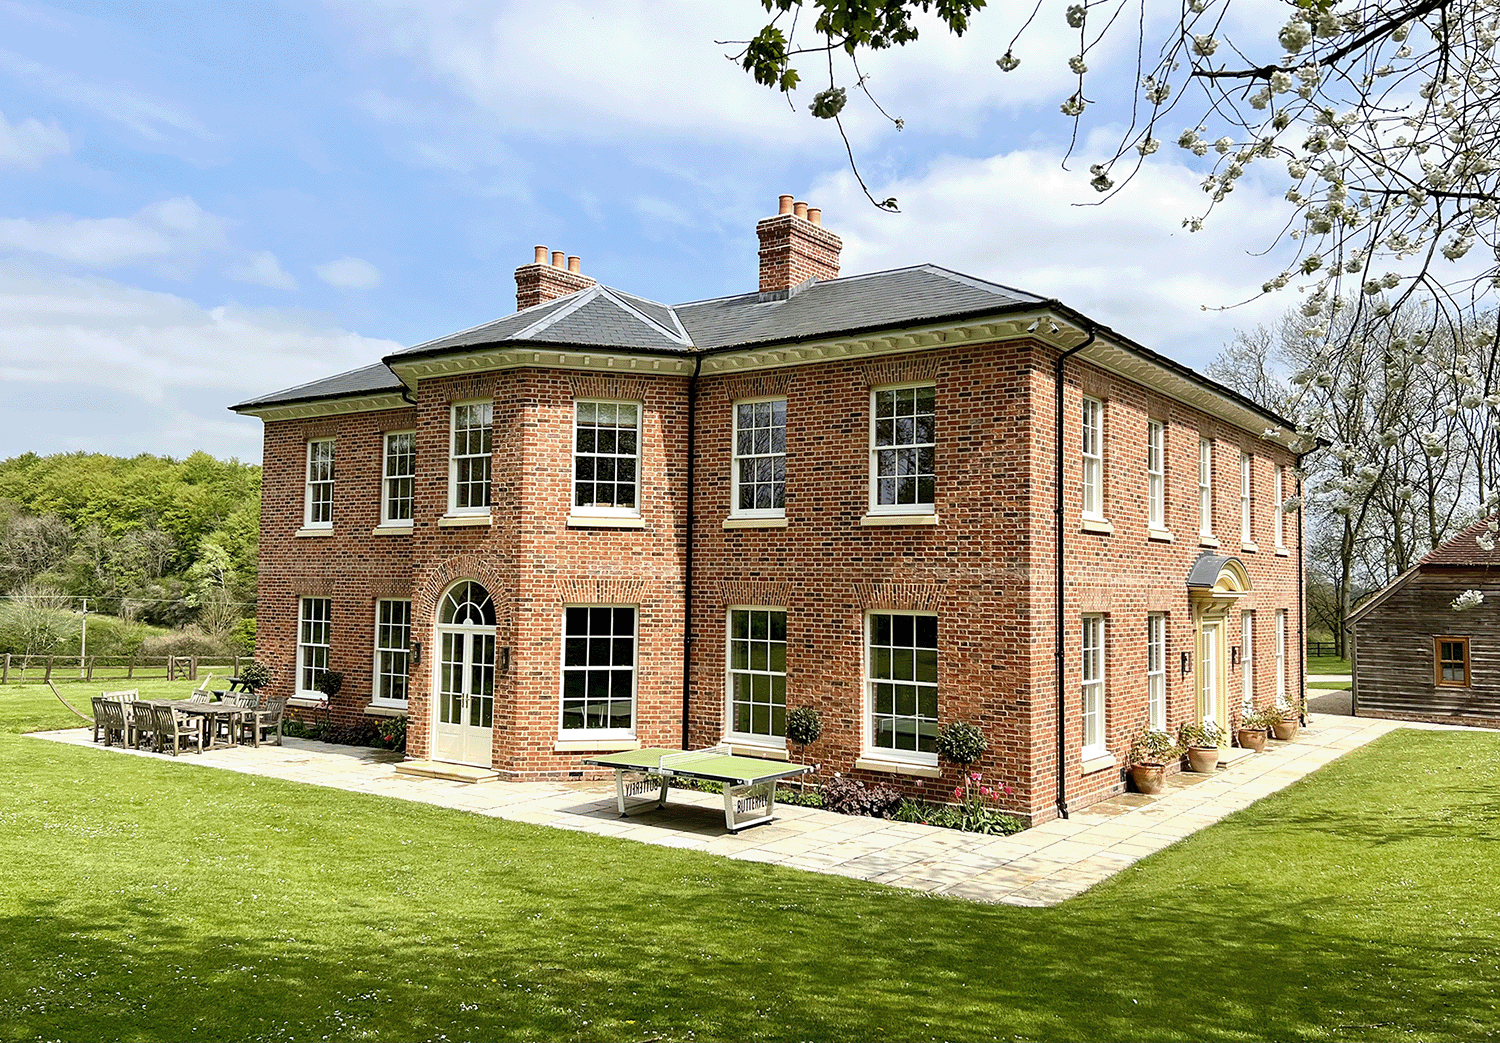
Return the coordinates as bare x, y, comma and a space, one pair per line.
1187, 663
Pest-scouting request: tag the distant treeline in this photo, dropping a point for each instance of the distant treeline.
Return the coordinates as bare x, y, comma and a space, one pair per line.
150, 539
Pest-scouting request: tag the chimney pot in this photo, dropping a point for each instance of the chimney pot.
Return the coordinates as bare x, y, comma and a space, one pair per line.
786, 206
541, 255
793, 251
800, 209
815, 215
573, 263
557, 259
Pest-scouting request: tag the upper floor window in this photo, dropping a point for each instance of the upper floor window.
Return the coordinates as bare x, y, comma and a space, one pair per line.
1156, 475
903, 450
400, 478
1245, 531
1277, 514
760, 458
392, 649
1093, 458
469, 460
1205, 487
1093, 685
314, 630
1452, 661
901, 656
318, 509
1156, 670
757, 672
606, 453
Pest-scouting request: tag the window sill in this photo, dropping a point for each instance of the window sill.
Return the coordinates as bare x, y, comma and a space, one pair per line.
384, 710
326, 530
1250, 547
605, 521
1205, 540
458, 521
1101, 526
1098, 762
926, 771
899, 519
1159, 535
1282, 552
754, 523
305, 702
595, 745
746, 748
392, 530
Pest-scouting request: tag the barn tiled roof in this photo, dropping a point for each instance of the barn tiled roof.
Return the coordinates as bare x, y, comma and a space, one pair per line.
1463, 551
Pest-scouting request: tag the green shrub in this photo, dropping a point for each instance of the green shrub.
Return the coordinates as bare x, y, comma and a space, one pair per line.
961, 742
803, 725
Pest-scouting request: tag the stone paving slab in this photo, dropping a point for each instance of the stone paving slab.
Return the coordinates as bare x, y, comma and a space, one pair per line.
1041, 866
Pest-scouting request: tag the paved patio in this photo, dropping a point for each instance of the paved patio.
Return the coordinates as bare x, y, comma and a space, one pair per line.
1041, 866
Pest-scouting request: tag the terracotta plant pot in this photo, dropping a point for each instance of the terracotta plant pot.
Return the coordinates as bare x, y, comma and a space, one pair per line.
1286, 731
1203, 758
1252, 738
1148, 778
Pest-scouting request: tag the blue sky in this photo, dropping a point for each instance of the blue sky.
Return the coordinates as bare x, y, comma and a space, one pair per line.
204, 202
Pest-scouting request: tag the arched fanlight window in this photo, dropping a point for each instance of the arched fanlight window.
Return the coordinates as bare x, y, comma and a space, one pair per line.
467, 604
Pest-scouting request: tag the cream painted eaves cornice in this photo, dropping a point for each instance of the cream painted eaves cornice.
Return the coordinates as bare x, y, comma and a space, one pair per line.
490, 359
326, 407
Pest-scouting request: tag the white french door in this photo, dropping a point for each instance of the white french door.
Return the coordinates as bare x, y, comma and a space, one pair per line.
1211, 690
465, 696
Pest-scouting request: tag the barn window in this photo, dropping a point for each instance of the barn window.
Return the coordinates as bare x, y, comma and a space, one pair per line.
1452, 661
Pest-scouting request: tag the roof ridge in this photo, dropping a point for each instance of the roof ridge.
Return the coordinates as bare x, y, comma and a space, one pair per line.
679, 337
976, 282
471, 329
580, 298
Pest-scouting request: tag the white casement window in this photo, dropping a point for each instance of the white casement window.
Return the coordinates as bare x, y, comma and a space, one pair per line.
1277, 514
398, 484
598, 671
757, 673
1245, 530
901, 672
314, 631
1247, 656
606, 456
1156, 475
759, 459
903, 450
392, 651
1281, 657
1156, 670
1205, 487
1093, 458
469, 458
1093, 686
318, 510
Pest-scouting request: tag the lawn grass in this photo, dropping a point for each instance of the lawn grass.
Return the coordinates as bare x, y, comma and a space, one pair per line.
1341, 686
1327, 664
144, 899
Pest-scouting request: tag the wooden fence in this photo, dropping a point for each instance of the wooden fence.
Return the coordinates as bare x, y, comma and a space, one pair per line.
1322, 648
15, 669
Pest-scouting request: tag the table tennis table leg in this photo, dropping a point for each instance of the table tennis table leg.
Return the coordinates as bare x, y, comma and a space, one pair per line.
638, 788
746, 806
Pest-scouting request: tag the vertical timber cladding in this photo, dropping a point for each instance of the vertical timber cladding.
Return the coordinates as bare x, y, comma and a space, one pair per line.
827, 570
534, 560
347, 564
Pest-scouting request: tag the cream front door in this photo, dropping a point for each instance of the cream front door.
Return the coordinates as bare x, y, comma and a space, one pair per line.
466, 697
1212, 687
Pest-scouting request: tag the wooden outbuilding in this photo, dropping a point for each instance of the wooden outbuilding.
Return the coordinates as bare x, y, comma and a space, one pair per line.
1427, 648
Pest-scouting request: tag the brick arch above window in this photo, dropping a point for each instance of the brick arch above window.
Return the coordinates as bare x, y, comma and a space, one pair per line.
600, 591
912, 597
755, 385
434, 580
902, 370
754, 592
590, 385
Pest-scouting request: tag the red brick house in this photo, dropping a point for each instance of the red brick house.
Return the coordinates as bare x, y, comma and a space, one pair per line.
603, 522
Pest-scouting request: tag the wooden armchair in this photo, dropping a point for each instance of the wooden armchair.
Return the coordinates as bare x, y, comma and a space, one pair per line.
115, 726
259, 724
176, 731
101, 721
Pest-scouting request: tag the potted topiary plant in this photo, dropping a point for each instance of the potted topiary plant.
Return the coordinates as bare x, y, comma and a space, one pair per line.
330, 683
961, 742
1252, 730
803, 726
1202, 739
1150, 751
1284, 721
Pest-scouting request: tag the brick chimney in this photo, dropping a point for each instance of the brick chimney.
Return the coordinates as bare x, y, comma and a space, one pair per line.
794, 246
543, 280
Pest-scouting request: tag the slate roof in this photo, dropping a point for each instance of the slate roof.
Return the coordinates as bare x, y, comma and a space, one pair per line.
367, 380
1463, 551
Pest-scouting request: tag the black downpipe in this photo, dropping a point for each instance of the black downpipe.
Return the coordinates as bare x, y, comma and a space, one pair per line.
1057, 516
1301, 598
687, 586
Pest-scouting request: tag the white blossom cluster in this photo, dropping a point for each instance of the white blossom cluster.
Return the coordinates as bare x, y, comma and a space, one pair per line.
1467, 600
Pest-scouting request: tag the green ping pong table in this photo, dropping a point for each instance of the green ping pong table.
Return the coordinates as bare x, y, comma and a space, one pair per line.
749, 782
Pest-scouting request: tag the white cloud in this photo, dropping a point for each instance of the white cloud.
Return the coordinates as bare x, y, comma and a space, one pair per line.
152, 119
1128, 264
169, 236
31, 143
170, 363
349, 273
262, 269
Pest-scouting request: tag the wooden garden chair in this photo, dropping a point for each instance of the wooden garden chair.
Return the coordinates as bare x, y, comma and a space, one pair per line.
115, 725
99, 719
176, 731
259, 724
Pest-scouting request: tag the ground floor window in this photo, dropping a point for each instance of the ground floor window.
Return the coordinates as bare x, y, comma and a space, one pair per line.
314, 627
902, 658
1156, 669
392, 649
757, 672
1452, 661
598, 675
1093, 685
